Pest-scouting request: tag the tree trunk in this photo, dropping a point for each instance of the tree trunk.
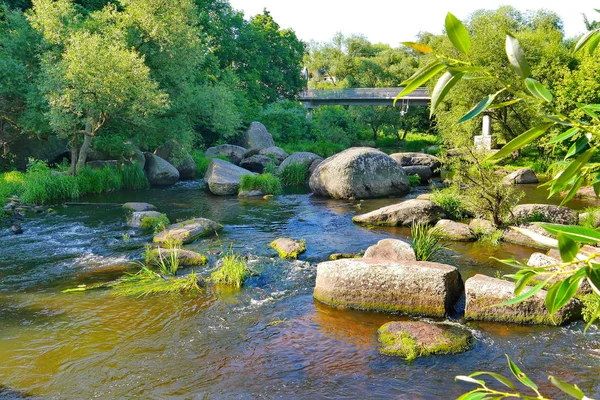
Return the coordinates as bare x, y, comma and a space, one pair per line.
87, 142
403, 138
74, 153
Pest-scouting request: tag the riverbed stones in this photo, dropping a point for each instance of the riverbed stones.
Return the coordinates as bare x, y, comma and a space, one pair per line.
409, 287
257, 137
159, 171
391, 250
256, 163
139, 206
177, 155
412, 339
250, 193
521, 176
188, 231
223, 178
304, 158
414, 159
456, 231
482, 226
484, 294
287, 248
537, 260
186, 258
135, 220
277, 154
360, 173
551, 213
424, 173
234, 153
403, 214
511, 235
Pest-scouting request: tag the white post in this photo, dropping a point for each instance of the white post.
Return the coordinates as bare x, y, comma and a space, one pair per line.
486, 125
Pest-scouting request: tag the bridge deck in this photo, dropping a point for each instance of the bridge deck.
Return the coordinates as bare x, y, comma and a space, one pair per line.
361, 96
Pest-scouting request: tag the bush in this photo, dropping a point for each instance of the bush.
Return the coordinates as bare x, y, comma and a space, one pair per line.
334, 124
286, 121
266, 183
426, 241
451, 202
11, 184
414, 180
294, 174
232, 272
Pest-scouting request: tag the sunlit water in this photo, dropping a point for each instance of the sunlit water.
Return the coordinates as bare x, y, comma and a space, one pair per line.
268, 340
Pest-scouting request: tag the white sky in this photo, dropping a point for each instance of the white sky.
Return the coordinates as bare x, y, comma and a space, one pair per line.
395, 21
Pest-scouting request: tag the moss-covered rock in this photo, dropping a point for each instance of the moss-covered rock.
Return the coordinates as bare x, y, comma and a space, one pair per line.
414, 339
341, 256
457, 231
188, 231
288, 248
186, 258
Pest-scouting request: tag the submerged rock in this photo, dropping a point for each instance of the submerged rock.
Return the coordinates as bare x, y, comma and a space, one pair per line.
455, 230
234, 153
257, 137
513, 236
159, 171
403, 214
135, 220
186, 258
551, 213
391, 250
521, 176
412, 339
188, 231
223, 178
251, 193
361, 173
409, 287
484, 294
137, 206
341, 256
177, 155
289, 248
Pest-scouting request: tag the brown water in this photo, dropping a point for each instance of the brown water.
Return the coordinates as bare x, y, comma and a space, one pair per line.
268, 340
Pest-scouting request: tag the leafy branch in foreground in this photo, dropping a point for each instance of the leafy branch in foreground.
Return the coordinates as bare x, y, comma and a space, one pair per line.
485, 392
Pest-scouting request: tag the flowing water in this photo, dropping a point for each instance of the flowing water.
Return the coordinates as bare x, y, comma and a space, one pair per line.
267, 340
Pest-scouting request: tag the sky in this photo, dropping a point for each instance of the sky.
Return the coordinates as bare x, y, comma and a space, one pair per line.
395, 21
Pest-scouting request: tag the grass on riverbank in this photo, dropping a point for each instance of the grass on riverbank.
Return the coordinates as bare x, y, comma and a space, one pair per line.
266, 183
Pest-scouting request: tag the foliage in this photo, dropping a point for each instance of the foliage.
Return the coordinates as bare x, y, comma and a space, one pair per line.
147, 282
11, 184
233, 271
451, 201
324, 148
294, 174
484, 392
591, 307
535, 216
493, 238
592, 217
426, 241
266, 183
286, 121
414, 180
156, 224
202, 162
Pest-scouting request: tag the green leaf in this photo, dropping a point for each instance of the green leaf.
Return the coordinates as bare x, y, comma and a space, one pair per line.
516, 57
419, 78
465, 378
593, 43
511, 262
504, 104
521, 140
538, 90
500, 378
571, 390
584, 39
561, 292
526, 295
418, 46
588, 109
577, 233
455, 69
572, 170
523, 281
576, 148
457, 33
565, 135
573, 191
520, 375
596, 186
473, 395
479, 108
593, 277
568, 247
442, 87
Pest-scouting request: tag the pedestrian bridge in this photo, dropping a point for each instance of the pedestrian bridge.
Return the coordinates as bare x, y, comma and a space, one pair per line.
314, 98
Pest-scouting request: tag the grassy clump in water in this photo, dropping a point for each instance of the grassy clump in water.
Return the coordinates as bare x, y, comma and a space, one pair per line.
232, 272
266, 183
294, 174
156, 224
426, 241
147, 282
493, 238
451, 202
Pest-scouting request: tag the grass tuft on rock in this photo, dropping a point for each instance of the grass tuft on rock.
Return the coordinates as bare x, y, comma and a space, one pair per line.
426, 241
156, 224
266, 183
451, 202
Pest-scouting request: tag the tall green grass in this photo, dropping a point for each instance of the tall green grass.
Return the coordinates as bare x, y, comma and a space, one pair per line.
266, 183
426, 241
451, 202
294, 174
202, 162
232, 272
322, 148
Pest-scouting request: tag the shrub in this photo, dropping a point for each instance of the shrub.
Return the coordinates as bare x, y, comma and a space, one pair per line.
426, 241
415, 142
591, 307
11, 184
294, 174
535, 216
266, 183
286, 121
414, 180
451, 202
232, 272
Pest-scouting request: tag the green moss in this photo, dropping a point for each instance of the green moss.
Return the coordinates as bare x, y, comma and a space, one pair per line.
340, 256
291, 255
399, 345
157, 224
489, 310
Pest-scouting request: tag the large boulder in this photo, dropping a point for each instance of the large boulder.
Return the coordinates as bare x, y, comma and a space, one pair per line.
410, 287
175, 153
586, 192
223, 178
554, 214
361, 173
159, 171
256, 163
234, 153
481, 226
412, 339
521, 176
257, 137
414, 159
424, 173
313, 166
403, 214
537, 260
276, 153
391, 250
188, 231
303, 158
457, 231
484, 294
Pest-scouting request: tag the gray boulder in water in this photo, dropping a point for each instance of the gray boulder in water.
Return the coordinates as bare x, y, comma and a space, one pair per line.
159, 171
223, 178
234, 153
173, 152
360, 173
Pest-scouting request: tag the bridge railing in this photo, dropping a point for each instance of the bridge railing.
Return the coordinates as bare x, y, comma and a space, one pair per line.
359, 93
